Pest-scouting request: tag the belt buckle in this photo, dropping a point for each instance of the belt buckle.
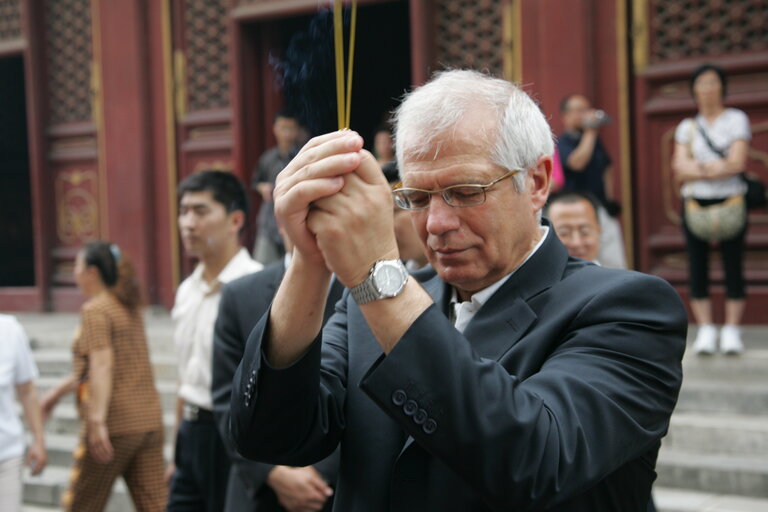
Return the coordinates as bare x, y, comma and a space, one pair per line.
191, 412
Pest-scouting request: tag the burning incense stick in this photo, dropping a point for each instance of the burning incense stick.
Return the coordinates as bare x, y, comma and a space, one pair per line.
343, 108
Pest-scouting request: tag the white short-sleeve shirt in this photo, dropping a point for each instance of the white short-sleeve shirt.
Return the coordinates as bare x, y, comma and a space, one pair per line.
731, 125
17, 366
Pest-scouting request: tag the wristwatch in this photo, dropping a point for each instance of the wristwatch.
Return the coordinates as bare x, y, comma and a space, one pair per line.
386, 280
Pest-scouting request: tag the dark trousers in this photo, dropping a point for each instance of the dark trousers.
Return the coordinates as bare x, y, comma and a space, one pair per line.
202, 469
732, 252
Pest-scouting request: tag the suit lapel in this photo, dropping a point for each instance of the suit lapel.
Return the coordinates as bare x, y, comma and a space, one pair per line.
506, 317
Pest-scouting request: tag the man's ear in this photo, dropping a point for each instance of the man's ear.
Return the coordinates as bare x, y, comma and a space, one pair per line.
237, 218
541, 179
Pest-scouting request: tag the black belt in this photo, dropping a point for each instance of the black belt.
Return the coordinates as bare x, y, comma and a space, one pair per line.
196, 414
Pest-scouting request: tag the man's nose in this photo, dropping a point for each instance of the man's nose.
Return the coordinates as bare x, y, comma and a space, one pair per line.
441, 217
186, 220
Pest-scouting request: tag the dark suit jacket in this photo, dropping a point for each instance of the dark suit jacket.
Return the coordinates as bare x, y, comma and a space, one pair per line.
554, 398
243, 302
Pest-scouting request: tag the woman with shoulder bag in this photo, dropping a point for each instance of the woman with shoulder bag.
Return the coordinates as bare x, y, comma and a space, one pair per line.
710, 155
121, 421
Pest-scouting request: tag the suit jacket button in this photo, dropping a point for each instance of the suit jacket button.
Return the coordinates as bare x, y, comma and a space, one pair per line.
420, 417
247, 403
410, 408
399, 397
253, 373
429, 426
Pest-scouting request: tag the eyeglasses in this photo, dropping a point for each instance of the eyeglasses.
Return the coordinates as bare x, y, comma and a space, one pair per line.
570, 233
460, 196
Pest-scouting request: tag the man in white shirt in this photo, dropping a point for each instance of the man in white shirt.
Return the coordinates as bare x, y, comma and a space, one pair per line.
551, 392
212, 211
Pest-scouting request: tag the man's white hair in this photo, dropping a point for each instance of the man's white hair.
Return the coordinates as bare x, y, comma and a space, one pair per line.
427, 117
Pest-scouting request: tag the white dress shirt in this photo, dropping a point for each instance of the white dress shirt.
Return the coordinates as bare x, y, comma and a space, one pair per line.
194, 314
465, 311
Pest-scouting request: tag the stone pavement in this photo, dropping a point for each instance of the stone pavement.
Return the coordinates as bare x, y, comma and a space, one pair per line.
714, 459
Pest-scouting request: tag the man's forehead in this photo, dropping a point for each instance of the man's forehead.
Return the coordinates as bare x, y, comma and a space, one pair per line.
577, 210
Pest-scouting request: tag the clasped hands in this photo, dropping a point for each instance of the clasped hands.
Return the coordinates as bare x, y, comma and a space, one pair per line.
335, 205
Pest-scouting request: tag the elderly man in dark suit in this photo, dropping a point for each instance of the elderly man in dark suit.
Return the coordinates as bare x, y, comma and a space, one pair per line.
516, 378
255, 486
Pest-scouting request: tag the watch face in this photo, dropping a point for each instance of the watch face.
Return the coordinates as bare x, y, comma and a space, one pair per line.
389, 279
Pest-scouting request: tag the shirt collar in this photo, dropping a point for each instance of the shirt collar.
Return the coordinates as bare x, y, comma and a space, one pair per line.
229, 273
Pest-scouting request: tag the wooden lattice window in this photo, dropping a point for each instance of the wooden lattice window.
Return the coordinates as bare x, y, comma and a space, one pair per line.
69, 56
207, 43
469, 34
683, 29
10, 20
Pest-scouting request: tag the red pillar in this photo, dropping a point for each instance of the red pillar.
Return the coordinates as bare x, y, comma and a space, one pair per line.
125, 132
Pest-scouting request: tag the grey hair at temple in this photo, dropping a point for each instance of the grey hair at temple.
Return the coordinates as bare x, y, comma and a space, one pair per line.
431, 111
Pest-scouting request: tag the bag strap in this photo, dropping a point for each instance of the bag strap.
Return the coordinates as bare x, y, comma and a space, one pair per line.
709, 142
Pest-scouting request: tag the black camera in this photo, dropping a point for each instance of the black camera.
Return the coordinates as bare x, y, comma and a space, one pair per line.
599, 119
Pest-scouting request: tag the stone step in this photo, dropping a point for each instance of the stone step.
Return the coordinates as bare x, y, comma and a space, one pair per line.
677, 500
166, 389
38, 508
45, 490
735, 396
58, 363
718, 434
741, 475
753, 363
56, 330
65, 421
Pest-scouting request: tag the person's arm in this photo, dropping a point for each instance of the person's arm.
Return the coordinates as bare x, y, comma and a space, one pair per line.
318, 171
734, 163
608, 181
52, 397
101, 363
579, 158
37, 457
685, 167
171, 468
602, 397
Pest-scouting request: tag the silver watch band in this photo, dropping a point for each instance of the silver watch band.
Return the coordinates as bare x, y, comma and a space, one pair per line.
369, 290
365, 291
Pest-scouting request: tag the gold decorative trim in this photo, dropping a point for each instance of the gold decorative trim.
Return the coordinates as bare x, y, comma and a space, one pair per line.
640, 38
668, 185
512, 37
77, 218
171, 97
625, 157
97, 80
180, 83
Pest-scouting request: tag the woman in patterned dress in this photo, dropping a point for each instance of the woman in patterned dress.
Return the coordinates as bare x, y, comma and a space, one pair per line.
121, 430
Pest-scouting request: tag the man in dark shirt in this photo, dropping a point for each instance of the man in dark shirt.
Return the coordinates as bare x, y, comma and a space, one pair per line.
586, 164
587, 168
269, 244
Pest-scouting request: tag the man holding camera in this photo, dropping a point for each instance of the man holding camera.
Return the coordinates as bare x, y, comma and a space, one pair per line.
587, 168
